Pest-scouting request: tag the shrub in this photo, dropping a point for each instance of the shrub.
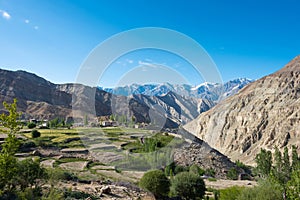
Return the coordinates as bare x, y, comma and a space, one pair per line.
293, 189
180, 168
53, 194
169, 169
231, 193
212, 179
232, 174
27, 144
210, 172
30, 193
31, 125
265, 190
156, 182
35, 134
197, 170
69, 194
30, 173
243, 166
187, 186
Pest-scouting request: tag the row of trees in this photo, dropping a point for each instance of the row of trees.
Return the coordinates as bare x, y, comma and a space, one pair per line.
54, 123
281, 169
278, 178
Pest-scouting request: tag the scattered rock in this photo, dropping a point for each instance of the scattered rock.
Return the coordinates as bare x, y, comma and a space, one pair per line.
36, 153
105, 190
47, 163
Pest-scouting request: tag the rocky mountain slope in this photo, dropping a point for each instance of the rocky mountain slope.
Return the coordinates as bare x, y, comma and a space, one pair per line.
264, 114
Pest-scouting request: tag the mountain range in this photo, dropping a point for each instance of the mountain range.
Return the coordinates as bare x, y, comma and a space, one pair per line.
170, 105
210, 91
236, 118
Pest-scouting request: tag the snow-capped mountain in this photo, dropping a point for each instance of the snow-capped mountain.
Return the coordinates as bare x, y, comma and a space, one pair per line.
210, 91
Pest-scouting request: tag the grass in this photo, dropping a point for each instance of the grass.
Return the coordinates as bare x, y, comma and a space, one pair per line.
212, 179
150, 144
72, 138
73, 144
67, 160
65, 138
92, 164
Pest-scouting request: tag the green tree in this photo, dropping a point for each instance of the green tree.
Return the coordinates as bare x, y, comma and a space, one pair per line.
8, 163
187, 186
86, 122
277, 170
243, 166
30, 174
17, 178
286, 165
11, 120
264, 163
31, 125
265, 190
133, 119
112, 117
293, 186
295, 158
156, 182
279, 173
196, 169
232, 174
35, 133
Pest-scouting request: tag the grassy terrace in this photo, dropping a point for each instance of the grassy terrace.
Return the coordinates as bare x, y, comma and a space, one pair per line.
72, 138
123, 156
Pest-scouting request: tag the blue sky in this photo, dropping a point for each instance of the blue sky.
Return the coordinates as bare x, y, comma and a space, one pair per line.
52, 38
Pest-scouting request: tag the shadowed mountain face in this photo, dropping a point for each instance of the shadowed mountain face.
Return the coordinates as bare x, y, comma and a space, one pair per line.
264, 114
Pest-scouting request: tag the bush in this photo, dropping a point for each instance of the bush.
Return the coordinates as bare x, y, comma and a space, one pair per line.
31, 125
293, 189
187, 186
27, 145
231, 193
264, 191
30, 193
156, 182
232, 174
68, 194
210, 172
53, 194
212, 179
180, 168
169, 169
197, 170
243, 166
35, 134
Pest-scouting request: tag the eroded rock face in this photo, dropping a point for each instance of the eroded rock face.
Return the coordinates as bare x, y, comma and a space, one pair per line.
264, 114
206, 157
